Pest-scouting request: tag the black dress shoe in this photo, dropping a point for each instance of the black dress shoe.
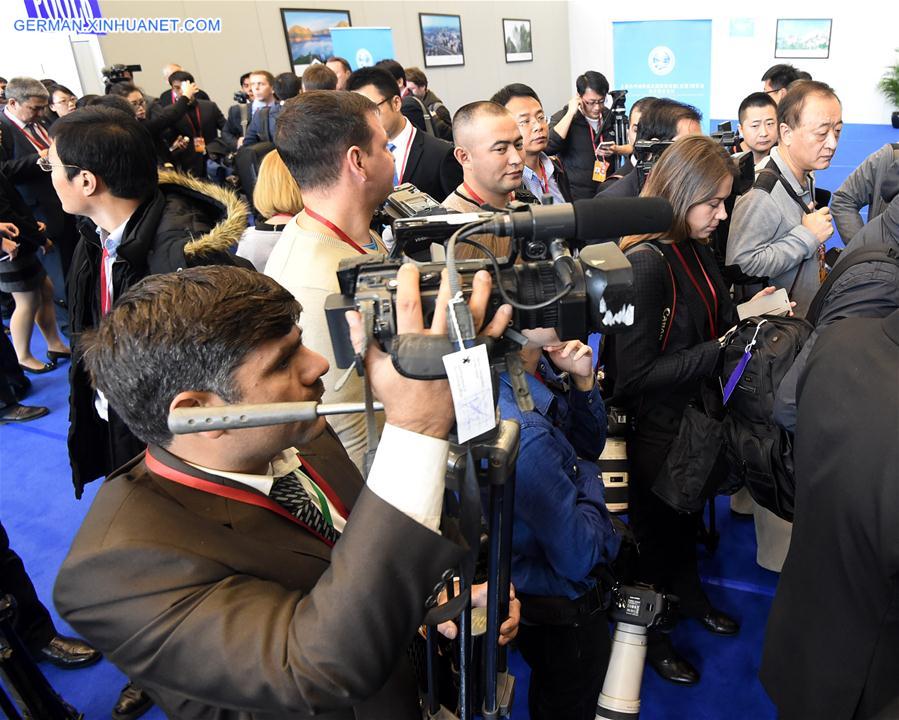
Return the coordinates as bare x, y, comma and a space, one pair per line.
68, 653
45, 368
674, 668
132, 703
717, 622
53, 356
22, 413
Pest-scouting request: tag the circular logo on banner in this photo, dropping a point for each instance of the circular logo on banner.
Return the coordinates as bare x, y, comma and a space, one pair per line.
364, 58
661, 60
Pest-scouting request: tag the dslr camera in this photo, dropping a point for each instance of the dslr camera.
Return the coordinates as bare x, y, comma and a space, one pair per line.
118, 73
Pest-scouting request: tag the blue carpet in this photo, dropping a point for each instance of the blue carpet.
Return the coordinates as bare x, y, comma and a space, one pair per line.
41, 516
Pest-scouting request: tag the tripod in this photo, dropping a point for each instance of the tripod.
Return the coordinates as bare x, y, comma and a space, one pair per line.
488, 464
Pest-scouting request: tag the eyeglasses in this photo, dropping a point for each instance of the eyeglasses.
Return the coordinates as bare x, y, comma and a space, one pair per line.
34, 108
594, 103
66, 101
47, 166
378, 105
526, 122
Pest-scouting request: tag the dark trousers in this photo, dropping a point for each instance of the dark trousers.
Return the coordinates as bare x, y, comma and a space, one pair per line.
13, 383
33, 623
666, 537
568, 665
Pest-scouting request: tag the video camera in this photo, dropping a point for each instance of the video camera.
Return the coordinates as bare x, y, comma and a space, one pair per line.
648, 153
550, 288
118, 73
241, 98
727, 137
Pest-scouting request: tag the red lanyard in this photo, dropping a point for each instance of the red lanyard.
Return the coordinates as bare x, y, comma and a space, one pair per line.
477, 198
105, 294
333, 228
593, 140
406, 156
247, 497
702, 296
35, 139
542, 177
190, 122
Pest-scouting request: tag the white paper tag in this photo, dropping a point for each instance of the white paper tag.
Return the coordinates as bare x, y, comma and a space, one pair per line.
468, 372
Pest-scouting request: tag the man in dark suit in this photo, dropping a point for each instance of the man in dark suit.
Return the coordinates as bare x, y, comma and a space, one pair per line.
419, 158
231, 574
201, 125
23, 139
832, 642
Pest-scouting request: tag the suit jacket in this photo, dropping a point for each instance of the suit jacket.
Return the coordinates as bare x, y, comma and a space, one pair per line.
211, 121
432, 167
19, 162
832, 642
223, 610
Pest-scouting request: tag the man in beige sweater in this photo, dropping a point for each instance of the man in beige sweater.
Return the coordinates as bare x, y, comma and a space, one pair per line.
336, 149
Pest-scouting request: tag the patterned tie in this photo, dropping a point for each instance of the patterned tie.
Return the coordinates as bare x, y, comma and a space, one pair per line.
37, 138
290, 494
392, 148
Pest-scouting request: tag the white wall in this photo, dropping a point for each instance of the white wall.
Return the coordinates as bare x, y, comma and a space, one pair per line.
252, 37
863, 41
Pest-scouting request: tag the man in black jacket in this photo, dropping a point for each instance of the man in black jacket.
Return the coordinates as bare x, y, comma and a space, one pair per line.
419, 158
201, 125
138, 223
576, 132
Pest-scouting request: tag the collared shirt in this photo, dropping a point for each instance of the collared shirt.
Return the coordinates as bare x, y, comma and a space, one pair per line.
401, 455
534, 183
562, 528
258, 104
286, 462
110, 242
401, 148
39, 129
806, 193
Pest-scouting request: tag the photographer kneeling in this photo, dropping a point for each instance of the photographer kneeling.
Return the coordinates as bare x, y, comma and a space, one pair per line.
561, 529
660, 367
222, 570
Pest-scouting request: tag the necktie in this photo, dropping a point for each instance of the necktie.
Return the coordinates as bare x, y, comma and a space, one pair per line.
105, 295
392, 148
37, 139
290, 494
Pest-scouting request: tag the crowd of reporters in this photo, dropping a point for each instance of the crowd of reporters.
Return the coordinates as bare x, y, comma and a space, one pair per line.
142, 186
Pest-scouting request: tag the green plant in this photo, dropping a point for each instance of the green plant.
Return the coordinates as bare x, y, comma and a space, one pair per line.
889, 84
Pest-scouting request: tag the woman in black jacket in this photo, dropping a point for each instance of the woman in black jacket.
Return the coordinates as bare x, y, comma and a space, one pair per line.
682, 309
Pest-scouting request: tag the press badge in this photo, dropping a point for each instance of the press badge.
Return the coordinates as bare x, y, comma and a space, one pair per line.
470, 382
599, 171
200, 144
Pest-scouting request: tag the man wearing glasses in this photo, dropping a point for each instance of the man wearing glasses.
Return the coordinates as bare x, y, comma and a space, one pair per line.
23, 139
543, 177
578, 136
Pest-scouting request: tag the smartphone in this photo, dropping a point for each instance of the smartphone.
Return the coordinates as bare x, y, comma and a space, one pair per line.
606, 144
777, 303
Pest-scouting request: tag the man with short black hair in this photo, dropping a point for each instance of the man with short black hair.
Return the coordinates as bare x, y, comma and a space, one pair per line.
576, 132
758, 125
167, 97
319, 77
341, 68
543, 177
419, 158
417, 83
777, 231
239, 115
778, 78
412, 107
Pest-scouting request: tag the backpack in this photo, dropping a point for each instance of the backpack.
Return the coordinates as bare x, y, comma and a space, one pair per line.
759, 451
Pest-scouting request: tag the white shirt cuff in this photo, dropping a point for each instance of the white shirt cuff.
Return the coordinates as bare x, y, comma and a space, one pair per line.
409, 472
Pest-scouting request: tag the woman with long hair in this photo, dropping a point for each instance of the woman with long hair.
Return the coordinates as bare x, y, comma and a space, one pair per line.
660, 364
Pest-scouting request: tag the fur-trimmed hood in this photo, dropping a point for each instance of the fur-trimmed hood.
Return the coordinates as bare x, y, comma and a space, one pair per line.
232, 211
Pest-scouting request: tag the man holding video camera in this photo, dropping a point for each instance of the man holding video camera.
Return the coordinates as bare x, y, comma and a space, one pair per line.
250, 573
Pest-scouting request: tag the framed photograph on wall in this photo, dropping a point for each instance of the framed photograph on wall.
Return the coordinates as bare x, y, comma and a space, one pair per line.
441, 39
308, 34
803, 39
517, 40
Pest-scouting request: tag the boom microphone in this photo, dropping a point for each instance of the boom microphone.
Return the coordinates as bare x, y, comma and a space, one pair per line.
585, 220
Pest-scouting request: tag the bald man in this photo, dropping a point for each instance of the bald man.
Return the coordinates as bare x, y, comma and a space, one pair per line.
489, 147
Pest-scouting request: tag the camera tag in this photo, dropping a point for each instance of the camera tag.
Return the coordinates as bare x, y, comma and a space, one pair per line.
468, 371
599, 171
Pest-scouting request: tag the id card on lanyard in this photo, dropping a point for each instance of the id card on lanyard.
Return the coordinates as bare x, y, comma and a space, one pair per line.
600, 167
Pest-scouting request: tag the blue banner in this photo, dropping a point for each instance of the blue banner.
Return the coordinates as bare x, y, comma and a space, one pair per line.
665, 58
362, 46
